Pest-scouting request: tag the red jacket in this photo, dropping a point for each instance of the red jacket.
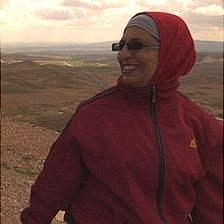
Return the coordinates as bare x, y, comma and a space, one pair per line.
137, 155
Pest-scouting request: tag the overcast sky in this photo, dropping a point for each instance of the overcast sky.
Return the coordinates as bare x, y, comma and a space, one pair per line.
99, 20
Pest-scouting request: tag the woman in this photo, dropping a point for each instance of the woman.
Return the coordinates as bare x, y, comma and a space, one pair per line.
140, 152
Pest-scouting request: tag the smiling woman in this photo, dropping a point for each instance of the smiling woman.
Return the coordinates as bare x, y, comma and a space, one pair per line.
138, 66
138, 152
138, 51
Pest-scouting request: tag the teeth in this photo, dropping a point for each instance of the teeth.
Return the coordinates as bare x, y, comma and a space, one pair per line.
129, 68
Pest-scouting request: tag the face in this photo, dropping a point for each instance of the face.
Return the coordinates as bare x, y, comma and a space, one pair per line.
138, 66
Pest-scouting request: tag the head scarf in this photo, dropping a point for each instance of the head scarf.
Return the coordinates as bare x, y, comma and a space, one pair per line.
144, 22
177, 52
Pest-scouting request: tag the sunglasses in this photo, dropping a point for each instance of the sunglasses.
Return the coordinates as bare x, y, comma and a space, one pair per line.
133, 46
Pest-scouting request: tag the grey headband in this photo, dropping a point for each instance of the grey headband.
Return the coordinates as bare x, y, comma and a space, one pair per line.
145, 22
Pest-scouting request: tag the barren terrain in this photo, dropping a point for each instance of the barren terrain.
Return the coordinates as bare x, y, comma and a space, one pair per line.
24, 148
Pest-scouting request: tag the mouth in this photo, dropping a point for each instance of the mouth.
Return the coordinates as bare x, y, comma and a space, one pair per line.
129, 68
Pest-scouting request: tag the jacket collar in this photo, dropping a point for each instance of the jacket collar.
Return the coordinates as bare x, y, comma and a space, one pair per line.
164, 91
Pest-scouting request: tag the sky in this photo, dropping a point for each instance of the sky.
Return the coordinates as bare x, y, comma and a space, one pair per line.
88, 21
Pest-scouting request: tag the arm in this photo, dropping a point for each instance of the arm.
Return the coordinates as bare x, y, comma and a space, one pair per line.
58, 182
208, 209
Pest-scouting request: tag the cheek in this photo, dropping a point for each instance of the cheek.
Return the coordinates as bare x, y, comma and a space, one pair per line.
151, 63
118, 58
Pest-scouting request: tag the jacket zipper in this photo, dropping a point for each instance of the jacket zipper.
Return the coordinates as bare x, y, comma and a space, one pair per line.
161, 179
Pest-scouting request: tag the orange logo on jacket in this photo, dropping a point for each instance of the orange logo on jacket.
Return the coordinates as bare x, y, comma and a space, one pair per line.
193, 143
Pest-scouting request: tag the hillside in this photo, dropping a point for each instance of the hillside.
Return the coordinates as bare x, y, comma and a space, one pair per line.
24, 148
46, 94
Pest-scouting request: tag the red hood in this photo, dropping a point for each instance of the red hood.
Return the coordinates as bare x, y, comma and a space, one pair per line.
177, 53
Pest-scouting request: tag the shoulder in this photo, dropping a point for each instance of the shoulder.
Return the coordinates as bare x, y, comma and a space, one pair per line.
101, 98
193, 108
203, 122
90, 112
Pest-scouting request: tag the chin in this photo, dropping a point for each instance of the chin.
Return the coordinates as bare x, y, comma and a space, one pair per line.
128, 81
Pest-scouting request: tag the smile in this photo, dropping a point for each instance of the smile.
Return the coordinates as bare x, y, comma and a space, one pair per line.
129, 68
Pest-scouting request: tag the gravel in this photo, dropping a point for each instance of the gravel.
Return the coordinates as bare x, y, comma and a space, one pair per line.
24, 148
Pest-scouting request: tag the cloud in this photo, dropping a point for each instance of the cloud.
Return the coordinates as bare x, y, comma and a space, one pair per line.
99, 15
211, 10
79, 3
208, 17
97, 4
153, 3
100, 20
50, 14
204, 21
181, 6
3, 3
197, 13
107, 4
208, 2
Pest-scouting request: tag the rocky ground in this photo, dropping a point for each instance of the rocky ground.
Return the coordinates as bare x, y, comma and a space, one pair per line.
23, 150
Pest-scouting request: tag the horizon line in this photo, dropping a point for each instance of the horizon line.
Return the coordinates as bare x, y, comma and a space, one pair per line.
78, 42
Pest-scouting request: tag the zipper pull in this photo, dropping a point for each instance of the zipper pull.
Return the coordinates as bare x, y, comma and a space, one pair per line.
153, 94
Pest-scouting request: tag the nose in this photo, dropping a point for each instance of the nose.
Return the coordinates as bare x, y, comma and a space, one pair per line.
125, 53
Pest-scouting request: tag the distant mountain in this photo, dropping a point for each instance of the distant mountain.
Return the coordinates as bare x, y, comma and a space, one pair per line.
209, 46
201, 46
59, 47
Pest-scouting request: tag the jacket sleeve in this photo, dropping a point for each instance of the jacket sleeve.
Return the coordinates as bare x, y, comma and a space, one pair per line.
209, 207
58, 182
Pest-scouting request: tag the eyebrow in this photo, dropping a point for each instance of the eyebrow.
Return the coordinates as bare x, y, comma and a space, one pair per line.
138, 39
123, 40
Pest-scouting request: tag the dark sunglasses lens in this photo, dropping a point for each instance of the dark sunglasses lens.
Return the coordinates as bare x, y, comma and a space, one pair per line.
132, 46
117, 46
135, 46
